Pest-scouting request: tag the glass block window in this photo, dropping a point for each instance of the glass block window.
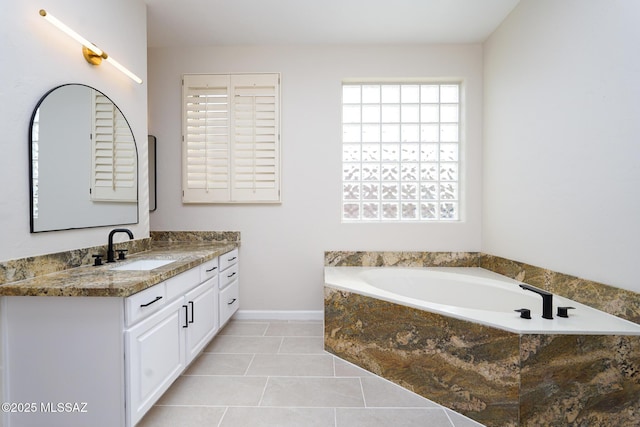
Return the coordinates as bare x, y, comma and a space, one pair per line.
400, 152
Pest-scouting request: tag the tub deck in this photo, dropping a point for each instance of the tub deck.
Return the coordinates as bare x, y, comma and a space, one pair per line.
477, 295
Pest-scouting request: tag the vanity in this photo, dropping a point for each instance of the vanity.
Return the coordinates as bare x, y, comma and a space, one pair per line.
99, 345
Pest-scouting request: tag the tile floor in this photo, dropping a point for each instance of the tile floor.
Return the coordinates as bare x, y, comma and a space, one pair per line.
276, 373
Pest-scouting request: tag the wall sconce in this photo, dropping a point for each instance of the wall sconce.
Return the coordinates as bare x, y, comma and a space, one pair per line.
92, 53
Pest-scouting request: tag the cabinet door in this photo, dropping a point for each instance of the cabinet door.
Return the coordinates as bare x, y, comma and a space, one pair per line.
229, 302
202, 303
156, 358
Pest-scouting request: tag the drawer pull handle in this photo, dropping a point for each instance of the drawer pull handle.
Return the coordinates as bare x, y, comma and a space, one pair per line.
158, 298
193, 311
231, 259
232, 301
186, 316
231, 275
212, 268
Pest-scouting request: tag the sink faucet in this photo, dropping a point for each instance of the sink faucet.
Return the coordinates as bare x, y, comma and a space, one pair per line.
547, 300
110, 252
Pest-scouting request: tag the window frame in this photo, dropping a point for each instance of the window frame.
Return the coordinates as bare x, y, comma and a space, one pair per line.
405, 197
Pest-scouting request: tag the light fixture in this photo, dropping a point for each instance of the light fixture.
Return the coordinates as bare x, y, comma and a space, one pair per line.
92, 53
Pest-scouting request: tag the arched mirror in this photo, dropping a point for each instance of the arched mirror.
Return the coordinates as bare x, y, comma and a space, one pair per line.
84, 166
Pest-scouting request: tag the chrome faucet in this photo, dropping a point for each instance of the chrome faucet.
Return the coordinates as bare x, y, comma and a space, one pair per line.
547, 300
110, 252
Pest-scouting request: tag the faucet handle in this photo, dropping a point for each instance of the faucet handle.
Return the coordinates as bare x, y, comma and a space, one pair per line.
525, 313
563, 311
98, 259
121, 254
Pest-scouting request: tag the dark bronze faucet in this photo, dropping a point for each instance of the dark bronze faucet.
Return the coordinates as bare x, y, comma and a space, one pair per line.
547, 300
110, 252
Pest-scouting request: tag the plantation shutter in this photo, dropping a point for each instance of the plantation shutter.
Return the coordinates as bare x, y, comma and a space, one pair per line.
205, 149
231, 147
113, 165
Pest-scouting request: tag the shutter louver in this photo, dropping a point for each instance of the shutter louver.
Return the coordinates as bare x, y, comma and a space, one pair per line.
114, 154
255, 151
231, 138
206, 138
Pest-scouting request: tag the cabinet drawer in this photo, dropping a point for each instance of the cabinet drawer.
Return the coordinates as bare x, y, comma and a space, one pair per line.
144, 303
208, 270
228, 259
178, 285
229, 302
229, 275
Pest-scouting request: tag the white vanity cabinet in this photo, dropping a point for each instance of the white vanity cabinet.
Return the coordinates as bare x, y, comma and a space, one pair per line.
229, 286
114, 357
162, 345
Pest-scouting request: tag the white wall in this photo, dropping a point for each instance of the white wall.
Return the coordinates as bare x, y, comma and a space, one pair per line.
37, 57
561, 149
283, 245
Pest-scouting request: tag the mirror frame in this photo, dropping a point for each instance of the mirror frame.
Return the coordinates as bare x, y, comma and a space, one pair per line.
153, 192
30, 159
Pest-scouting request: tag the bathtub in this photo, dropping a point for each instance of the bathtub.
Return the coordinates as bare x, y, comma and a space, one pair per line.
476, 295
451, 335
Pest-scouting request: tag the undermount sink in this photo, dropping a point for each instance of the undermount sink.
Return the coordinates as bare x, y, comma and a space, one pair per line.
143, 264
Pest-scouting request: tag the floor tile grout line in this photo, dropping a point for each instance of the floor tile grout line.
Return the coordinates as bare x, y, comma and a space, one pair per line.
246, 371
333, 360
264, 390
446, 414
422, 408
223, 415
323, 352
364, 399
326, 377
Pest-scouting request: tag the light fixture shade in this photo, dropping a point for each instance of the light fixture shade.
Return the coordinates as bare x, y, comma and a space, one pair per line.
99, 53
124, 70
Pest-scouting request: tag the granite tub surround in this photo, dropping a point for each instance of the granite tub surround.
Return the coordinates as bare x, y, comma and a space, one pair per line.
579, 380
101, 281
612, 300
26, 268
401, 259
470, 368
496, 377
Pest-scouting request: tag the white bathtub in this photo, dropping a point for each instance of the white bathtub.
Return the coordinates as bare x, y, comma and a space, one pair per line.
474, 294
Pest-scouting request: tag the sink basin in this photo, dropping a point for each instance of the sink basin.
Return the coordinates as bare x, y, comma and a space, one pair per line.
143, 265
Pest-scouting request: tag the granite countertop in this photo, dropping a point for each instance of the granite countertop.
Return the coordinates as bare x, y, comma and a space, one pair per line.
101, 281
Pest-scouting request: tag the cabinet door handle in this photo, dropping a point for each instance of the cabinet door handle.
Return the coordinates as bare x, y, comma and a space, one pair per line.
231, 275
158, 298
186, 316
193, 311
212, 268
231, 301
231, 259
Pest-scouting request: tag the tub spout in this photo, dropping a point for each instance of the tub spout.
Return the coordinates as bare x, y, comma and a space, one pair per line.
547, 300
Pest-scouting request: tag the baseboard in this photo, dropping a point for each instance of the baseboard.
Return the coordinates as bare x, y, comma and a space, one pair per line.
279, 315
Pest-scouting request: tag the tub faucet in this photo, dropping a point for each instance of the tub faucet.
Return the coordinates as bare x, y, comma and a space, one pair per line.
110, 252
547, 300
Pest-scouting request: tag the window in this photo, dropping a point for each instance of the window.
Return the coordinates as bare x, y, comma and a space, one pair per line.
231, 138
400, 152
113, 164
